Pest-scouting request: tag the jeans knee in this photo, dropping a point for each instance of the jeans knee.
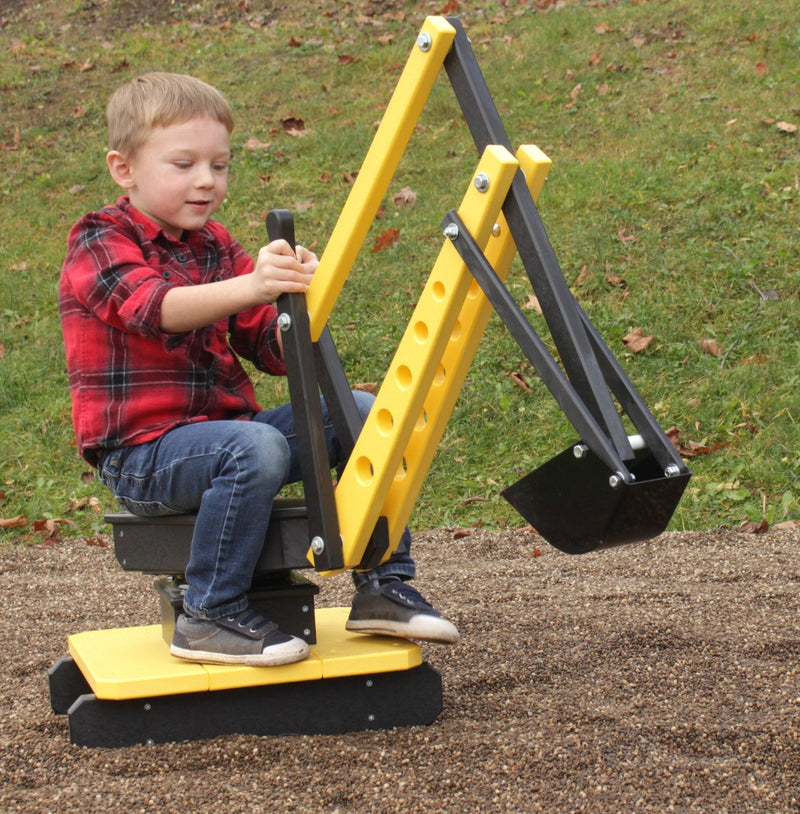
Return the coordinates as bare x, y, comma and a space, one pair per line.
364, 401
260, 455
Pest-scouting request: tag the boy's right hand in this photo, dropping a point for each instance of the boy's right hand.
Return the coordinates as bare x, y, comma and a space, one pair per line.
279, 269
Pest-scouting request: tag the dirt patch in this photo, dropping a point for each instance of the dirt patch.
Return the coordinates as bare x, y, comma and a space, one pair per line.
658, 677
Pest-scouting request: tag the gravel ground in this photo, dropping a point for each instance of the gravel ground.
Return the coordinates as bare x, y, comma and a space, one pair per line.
657, 677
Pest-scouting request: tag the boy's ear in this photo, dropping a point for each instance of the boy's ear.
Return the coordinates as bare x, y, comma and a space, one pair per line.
120, 168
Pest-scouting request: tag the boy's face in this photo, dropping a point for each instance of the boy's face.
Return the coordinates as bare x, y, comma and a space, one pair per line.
179, 176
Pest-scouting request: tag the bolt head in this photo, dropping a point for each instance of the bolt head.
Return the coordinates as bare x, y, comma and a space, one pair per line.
481, 182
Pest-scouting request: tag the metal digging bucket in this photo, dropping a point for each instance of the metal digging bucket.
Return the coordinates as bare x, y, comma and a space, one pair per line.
579, 505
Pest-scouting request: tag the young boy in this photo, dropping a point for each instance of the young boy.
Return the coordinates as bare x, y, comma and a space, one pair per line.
157, 303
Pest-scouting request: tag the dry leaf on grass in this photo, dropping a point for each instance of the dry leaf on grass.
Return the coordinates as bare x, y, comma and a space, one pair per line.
710, 347
386, 238
636, 341
406, 197
520, 381
293, 126
252, 144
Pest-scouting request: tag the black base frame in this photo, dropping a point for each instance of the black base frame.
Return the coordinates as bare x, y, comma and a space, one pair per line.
330, 706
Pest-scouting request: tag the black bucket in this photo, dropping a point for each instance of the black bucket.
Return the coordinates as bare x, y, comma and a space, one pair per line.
579, 505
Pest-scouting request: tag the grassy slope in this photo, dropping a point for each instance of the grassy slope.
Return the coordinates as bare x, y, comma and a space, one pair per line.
672, 206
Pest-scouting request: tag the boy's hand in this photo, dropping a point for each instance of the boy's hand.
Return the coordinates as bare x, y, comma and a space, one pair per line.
281, 270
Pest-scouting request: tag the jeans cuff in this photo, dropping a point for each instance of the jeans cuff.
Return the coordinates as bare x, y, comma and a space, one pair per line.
402, 570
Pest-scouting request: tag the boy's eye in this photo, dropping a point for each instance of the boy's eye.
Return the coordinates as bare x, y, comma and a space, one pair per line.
221, 167
183, 165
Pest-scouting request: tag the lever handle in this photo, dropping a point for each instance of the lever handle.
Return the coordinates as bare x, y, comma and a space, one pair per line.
280, 225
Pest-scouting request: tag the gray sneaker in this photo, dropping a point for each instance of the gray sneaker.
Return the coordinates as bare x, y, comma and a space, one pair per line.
395, 608
244, 638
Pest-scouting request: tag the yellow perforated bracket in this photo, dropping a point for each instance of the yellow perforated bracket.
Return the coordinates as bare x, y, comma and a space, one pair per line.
457, 358
379, 457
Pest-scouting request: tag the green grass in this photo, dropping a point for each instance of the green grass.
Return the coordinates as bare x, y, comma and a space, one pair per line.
669, 172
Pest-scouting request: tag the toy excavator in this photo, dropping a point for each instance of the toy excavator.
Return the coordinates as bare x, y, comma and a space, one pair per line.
614, 485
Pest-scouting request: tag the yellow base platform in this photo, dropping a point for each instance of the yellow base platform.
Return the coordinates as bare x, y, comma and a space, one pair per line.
135, 662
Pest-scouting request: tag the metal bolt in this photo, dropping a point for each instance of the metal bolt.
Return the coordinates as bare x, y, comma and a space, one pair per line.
580, 451
672, 471
305, 609
370, 717
369, 682
496, 230
318, 545
481, 182
451, 231
147, 707
615, 480
424, 41
284, 322
307, 631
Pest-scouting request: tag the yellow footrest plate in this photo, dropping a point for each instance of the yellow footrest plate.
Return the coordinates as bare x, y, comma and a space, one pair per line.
136, 663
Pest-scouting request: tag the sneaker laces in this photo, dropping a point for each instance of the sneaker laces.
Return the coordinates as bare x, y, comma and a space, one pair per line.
252, 621
405, 593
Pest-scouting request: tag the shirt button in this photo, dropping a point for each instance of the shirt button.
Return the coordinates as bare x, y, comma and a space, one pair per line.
166, 274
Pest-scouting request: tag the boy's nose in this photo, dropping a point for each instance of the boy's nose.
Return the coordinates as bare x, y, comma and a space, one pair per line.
204, 176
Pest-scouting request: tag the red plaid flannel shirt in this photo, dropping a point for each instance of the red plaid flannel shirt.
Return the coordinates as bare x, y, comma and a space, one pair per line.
130, 381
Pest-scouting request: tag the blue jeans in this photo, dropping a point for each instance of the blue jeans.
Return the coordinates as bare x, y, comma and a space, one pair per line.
229, 472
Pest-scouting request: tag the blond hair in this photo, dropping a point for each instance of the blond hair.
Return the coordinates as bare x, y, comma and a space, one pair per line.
158, 100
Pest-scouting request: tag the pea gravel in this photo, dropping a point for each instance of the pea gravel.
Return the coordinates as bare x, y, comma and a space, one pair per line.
657, 677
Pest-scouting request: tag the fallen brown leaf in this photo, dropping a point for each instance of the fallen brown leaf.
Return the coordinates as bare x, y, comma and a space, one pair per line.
520, 381
386, 238
533, 304
710, 347
293, 126
636, 340
749, 527
406, 197
252, 144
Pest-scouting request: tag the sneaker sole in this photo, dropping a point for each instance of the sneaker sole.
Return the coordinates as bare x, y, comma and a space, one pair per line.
424, 628
274, 657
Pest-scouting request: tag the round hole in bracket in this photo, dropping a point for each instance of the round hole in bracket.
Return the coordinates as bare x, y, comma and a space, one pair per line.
364, 470
421, 331
385, 421
404, 377
402, 470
